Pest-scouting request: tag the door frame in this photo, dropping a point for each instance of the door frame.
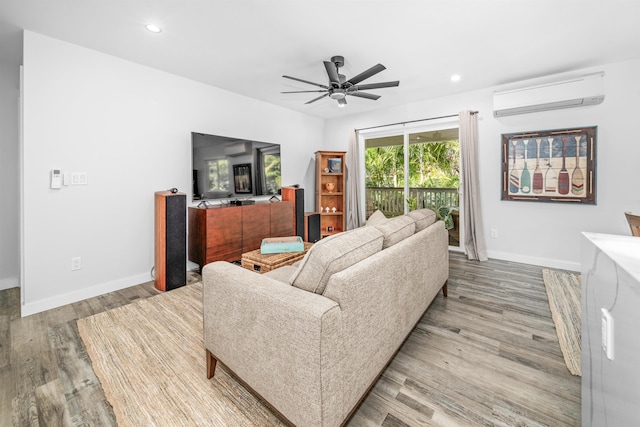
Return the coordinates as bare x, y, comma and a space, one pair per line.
405, 130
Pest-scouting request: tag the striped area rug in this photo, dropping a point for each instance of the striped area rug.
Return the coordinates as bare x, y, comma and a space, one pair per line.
150, 359
564, 293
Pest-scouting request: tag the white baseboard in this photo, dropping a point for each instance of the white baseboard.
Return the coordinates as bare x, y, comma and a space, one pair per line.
543, 262
71, 297
8, 283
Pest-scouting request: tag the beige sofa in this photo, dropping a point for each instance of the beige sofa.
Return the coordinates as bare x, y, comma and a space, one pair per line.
312, 339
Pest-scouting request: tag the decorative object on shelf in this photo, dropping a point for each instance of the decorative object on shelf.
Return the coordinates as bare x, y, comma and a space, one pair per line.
335, 165
333, 209
242, 178
329, 228
326, 170
327, 209
330, 186
567, 156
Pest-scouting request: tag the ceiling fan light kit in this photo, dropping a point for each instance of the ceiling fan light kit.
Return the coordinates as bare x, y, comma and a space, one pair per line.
339, 87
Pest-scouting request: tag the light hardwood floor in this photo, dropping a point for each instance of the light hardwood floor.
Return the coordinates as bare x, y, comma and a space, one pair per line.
487, 355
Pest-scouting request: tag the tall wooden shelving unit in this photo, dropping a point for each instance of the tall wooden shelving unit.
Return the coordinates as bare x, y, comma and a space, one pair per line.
326, 174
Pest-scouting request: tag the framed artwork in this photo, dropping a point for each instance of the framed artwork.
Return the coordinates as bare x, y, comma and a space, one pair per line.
242, 178
335, 165
550, 166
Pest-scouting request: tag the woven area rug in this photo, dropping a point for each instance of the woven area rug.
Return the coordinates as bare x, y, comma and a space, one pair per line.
564, 293
150, 359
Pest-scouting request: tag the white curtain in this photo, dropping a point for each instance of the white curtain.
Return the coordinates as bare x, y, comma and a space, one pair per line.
354, 214
474, 242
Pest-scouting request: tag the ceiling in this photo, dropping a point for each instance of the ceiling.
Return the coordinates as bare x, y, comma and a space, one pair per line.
246, 46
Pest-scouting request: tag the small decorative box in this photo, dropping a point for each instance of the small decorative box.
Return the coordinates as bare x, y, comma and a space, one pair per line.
278, 245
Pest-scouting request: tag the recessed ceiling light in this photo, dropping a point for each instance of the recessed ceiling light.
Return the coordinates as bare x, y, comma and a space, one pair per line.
455, 78
153, 28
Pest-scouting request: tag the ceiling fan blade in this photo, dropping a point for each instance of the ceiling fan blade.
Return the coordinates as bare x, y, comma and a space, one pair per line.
332, 72
318, 98
342, 101
366, 74
305, 81
377, 85
303, 91
365, 95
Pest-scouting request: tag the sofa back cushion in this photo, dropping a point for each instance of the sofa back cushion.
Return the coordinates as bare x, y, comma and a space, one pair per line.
396, 229
376, 218
423, 218
333, 254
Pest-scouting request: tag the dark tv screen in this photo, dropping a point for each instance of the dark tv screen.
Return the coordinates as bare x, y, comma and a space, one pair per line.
226, 167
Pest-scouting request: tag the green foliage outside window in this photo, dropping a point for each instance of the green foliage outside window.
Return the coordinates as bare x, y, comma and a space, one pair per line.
431, 165
272, 173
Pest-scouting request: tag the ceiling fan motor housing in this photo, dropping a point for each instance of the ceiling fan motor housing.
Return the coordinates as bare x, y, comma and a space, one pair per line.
338, 60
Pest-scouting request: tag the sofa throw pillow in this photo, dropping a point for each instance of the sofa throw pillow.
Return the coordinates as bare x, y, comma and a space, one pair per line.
423, 218
376, 218
396, 229
333, 254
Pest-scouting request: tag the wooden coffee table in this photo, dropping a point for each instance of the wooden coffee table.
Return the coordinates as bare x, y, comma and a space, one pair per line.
261, 263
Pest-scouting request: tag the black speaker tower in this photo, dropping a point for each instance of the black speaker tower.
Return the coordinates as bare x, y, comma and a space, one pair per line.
296, 195
170, 240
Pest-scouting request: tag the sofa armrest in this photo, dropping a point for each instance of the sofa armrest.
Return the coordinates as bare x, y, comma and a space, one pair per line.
281, 340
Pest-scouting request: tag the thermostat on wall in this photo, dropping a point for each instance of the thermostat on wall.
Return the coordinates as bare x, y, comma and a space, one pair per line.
56, 178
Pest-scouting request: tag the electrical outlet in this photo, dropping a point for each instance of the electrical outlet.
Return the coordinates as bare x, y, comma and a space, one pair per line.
76, 263
607, 333
494, 233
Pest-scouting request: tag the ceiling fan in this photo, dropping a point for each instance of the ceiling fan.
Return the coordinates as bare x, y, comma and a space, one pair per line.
339, 87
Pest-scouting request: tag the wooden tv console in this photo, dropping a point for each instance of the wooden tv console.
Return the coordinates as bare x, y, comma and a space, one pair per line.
224, 233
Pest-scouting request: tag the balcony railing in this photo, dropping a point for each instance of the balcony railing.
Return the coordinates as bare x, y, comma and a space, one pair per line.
391, 200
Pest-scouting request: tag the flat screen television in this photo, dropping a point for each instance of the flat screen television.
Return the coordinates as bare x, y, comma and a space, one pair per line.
225, 167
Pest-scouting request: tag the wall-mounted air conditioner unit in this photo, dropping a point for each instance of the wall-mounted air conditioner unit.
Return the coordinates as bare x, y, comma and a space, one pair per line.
238, 149
577, 92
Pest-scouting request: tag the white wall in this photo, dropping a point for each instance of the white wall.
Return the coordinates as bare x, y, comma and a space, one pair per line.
129, 128
9, 175
540, 233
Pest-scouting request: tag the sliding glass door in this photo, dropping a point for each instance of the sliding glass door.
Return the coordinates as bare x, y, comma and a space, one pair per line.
414, 169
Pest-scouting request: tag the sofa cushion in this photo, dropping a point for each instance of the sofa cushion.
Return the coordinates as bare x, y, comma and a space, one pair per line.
333, 254
282, 274
423, 218
396, 229
376, 218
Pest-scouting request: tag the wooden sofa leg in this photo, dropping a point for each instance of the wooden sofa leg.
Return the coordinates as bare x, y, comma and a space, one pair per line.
444, 288
211, 365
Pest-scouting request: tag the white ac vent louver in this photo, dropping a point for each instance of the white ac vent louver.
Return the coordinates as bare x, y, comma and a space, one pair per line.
577, 92
238, 149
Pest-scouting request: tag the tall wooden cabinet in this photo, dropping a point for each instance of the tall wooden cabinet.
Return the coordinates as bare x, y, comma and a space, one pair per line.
331, 191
